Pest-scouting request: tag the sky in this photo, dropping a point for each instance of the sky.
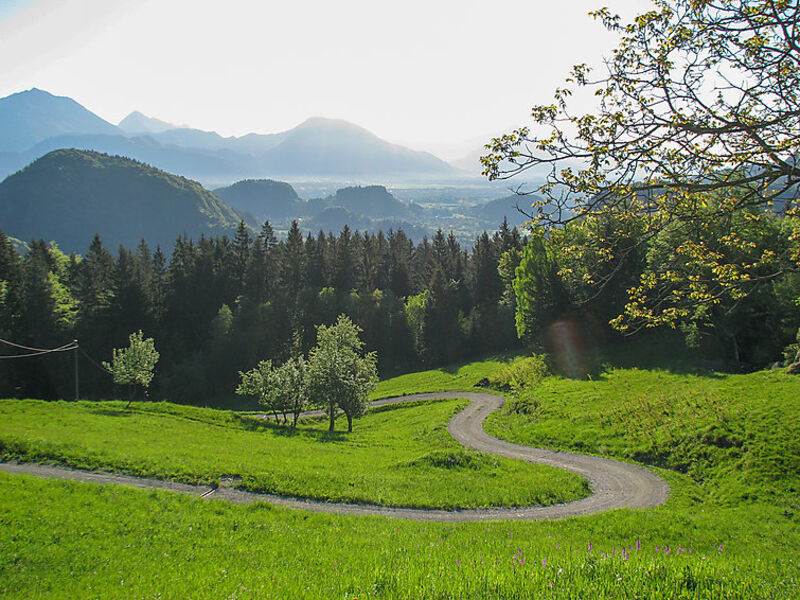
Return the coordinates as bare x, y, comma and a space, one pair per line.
437, 75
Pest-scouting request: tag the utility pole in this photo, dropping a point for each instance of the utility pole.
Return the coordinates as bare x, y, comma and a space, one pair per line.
76, 369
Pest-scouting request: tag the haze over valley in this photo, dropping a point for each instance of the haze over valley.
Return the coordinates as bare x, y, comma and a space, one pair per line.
69, 176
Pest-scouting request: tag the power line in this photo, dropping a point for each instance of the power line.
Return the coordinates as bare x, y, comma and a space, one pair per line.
94, 362
21, 347
37, 351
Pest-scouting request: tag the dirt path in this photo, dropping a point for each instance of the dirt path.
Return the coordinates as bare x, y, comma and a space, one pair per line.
614, 484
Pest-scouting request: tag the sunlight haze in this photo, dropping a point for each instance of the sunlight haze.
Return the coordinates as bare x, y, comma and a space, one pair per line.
435, 76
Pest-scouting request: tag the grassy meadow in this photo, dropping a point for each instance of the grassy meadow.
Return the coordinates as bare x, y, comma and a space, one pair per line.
738, 436
727, 444
399, 455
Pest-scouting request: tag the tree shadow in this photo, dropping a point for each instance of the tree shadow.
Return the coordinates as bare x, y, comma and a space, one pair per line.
663, 352
284, 430
112, 412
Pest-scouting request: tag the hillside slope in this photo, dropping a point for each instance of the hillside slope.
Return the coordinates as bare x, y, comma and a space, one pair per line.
69, 195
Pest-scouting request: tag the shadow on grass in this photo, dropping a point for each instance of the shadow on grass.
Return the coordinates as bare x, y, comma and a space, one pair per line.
112, 412
285, 430
454, 368
663, 351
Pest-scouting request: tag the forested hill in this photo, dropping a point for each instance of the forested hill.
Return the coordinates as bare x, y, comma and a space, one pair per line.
68, 195
263, 198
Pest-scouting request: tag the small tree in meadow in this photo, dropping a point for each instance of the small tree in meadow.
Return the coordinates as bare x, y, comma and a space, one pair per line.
340, 376
282, 390
134, 365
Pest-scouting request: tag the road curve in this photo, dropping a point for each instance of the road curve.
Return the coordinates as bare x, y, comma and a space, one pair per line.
613, 484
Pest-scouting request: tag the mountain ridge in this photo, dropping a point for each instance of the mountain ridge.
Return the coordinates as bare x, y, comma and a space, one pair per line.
318, 147
31, 116
137, 122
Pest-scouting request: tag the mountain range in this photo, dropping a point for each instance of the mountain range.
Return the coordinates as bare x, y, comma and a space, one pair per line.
75, 174
36, 122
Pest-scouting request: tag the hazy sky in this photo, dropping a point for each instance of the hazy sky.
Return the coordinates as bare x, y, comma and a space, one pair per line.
427, 73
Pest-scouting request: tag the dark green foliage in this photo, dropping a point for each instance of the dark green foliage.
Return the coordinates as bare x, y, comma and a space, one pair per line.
220, 305
538, 290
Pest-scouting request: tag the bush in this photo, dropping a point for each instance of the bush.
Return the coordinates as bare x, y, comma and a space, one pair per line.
791, 353
522, 405
525, 373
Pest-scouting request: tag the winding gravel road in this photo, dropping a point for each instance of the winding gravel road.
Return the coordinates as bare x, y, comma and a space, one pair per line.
614, 484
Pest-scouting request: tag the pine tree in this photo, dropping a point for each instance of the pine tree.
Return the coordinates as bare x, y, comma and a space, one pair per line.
399, 264
294, 264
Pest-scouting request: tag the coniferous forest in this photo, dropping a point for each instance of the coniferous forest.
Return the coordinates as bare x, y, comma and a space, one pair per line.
217, 306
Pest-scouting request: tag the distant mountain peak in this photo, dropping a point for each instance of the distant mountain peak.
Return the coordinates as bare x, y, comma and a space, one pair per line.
330, 124
31, 116
137, 122
34, 91
36, 95
34, 122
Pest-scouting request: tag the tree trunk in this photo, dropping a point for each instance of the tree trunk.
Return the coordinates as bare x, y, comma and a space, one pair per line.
349, 423
332, 416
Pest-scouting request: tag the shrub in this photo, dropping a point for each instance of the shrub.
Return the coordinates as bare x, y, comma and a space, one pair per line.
792, 352
525, 373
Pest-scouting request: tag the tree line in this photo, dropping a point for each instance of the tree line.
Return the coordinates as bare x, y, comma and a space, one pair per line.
223, 306
218, 305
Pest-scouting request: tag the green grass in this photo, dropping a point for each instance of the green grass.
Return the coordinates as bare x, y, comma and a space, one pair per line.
738, 435
727, 446
399, 456
457, 377
71, 540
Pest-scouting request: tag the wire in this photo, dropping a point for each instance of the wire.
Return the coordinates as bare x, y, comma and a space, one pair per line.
73, 345
21, 347
94, 362
38, 351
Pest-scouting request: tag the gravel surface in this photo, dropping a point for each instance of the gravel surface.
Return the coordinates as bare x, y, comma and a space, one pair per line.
614, 484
